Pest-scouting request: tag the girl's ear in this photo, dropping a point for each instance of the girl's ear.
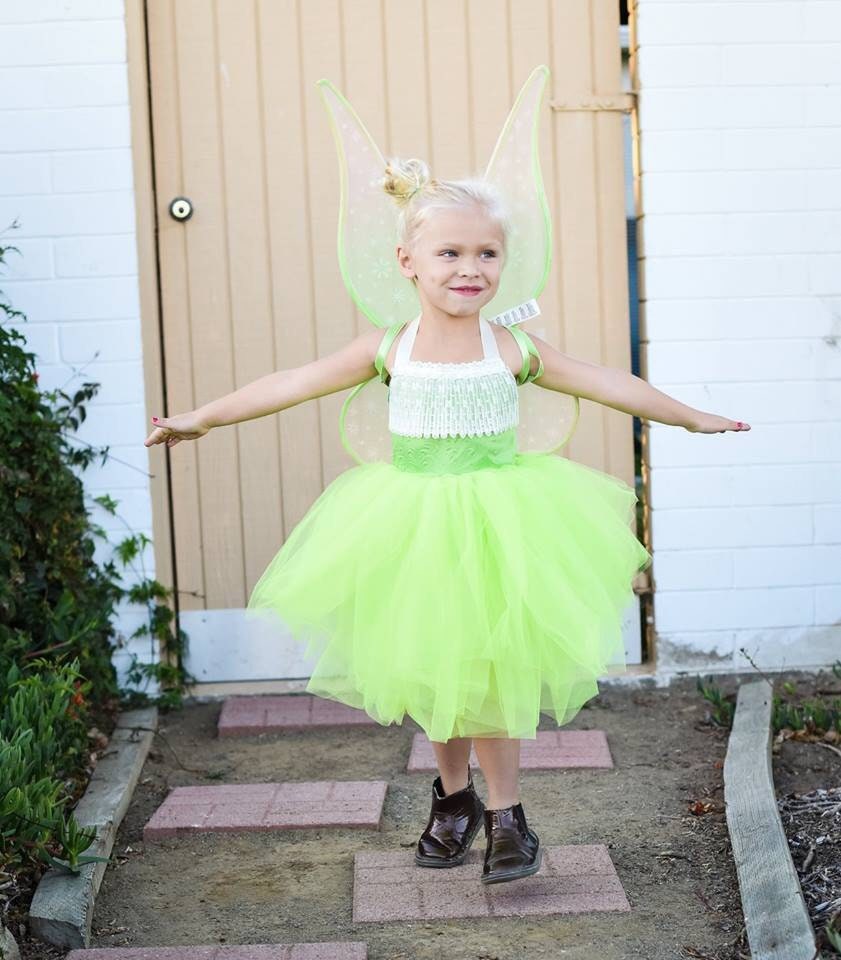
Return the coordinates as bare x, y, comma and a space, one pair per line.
404, 262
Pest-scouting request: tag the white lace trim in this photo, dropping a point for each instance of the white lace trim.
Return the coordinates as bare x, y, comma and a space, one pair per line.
465, 368
431, 399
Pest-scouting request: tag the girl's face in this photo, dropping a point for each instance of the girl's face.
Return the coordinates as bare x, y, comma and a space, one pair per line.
458, 247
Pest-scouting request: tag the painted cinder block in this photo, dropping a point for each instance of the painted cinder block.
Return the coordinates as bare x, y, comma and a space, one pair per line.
732, 527
782, 64
718, 107
749, 610
42, 44
91, 170
95, 256
719, 23
23, 173
715, 191
678, 65
745, 233
64, 86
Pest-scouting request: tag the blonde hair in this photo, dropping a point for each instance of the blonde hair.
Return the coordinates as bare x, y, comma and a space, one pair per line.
417, 193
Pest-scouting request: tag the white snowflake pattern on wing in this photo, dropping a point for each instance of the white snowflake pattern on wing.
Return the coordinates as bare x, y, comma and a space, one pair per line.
381, 268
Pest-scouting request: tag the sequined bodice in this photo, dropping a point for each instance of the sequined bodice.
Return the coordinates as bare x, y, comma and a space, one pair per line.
470, 399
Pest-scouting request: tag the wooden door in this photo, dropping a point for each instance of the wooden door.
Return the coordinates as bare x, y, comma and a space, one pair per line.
250, 282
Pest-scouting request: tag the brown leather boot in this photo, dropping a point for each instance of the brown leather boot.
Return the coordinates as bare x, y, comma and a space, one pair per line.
453, 823
513, 850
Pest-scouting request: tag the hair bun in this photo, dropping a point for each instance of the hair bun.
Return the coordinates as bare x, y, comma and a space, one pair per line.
403, 178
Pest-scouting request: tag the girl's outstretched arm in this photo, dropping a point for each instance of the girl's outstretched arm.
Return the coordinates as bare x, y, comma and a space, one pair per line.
277, 391
624, 391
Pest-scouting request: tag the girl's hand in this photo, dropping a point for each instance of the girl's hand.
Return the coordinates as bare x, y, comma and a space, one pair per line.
711, 423
172, 430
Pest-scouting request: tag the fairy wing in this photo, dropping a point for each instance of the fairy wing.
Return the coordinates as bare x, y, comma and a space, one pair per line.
514, 169
363, 422
367, 237
367, 232
547, 417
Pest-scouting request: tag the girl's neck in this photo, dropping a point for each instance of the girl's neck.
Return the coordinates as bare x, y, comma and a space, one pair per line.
438, 328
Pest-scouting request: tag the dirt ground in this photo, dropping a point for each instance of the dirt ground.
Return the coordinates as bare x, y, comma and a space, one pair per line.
660, 812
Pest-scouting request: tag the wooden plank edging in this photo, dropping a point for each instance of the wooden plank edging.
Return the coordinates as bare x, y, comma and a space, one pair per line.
62, 908
776, 918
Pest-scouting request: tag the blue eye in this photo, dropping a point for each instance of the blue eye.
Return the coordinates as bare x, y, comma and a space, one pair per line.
491, 252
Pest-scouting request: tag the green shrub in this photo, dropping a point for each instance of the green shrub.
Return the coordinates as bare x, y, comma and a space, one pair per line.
43, 744
56, 636
53, 597
815, 716
57, 677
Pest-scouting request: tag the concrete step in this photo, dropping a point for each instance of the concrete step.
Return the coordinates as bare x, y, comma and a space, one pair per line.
260, 807
551, 750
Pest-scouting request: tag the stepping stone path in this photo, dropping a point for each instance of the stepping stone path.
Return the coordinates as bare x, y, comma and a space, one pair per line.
387, 885
259, 951
269, 806
244, 716
552, 750
571, 879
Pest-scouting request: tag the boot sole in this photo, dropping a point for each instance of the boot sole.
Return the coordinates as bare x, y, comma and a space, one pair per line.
454, 861
516, 874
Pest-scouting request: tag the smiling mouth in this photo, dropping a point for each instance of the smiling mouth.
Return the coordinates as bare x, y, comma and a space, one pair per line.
467, 289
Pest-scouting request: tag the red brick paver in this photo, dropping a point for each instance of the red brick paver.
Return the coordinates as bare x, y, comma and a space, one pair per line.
578, 878
268, 806
241, 716
553, 749
333, 950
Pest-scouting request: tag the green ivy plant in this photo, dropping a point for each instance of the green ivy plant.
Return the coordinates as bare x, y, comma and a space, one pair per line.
168, 672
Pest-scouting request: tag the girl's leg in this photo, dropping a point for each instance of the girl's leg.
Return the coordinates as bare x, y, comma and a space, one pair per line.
500, 763
452, 759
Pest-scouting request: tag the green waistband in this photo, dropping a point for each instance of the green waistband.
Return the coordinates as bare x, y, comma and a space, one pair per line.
453, 454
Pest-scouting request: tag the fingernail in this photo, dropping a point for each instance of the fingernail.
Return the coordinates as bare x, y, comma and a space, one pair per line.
155, 419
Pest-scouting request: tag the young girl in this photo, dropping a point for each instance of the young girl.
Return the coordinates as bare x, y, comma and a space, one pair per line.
464, 583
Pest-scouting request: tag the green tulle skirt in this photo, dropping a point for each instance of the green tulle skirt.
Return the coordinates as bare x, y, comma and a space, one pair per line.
465, 584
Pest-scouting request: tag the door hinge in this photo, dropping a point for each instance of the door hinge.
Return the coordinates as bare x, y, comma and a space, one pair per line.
622, 102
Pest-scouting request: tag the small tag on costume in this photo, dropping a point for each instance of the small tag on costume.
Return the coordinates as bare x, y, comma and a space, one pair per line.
519, 314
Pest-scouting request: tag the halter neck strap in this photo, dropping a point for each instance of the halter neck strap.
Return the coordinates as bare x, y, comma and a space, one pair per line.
407, 341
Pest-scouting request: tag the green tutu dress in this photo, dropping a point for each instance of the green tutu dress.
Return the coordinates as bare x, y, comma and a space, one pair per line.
466, 584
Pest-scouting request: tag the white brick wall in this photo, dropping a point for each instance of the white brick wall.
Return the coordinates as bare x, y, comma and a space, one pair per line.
66, 177
741, 235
